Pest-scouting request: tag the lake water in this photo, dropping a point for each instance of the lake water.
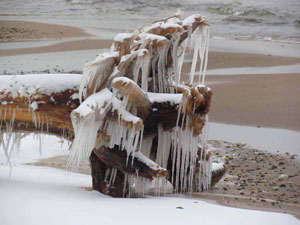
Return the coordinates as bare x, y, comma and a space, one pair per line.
238, 19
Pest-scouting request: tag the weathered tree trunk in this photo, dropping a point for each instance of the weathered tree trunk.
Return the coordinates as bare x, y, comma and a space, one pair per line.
52, 115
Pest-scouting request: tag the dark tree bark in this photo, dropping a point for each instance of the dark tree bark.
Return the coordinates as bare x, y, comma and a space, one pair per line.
98, 170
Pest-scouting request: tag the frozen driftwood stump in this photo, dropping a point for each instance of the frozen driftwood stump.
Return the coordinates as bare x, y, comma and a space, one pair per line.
141, 127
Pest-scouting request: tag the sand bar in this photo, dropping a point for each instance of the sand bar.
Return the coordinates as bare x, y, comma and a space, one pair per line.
12, 30
74, 45
216, 60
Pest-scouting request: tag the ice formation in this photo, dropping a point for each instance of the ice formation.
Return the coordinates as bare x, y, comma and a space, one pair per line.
20, 99
143, 68
118, 92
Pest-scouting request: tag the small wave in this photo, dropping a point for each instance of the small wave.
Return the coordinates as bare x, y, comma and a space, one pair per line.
237, 9
240, 19
257, 12
293, 40
132, 3
83, 1
276, 23
224, 9
297, 22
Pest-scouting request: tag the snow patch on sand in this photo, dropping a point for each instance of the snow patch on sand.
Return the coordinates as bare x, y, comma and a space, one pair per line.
47, 196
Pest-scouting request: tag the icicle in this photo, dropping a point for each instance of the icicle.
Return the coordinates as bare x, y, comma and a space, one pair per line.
161, 68
34, 119
175, 41
206, 54
154, 74
163, 147
40, 143
125, 183
113, 175
184, 155
95, 73
8, 146
195, 46
107, 172
85, 130
142, 65
180, 59
147, 145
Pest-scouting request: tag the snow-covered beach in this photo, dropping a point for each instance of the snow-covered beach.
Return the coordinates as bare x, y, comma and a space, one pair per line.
43, 195
40, 184
67, 190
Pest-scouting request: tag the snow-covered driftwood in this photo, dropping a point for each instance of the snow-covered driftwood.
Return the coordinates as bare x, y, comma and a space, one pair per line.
134, 103
39, 102
130, 114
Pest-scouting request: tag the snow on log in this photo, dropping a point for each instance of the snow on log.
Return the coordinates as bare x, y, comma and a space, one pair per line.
40, 103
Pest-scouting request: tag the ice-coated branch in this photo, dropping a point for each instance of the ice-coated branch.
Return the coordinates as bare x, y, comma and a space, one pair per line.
136, 96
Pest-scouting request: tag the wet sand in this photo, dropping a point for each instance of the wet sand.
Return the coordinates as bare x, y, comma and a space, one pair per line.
256, 100
218, 60
12, 30
74, 45
256, 179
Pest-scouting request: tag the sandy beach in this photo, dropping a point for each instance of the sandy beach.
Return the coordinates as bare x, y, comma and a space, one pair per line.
12, 31
254, 179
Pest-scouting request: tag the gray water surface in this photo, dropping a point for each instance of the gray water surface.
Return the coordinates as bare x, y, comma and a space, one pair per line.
255, 19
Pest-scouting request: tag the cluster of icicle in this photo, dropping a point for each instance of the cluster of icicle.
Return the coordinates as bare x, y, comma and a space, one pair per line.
27, 89
10, 141
147, 51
